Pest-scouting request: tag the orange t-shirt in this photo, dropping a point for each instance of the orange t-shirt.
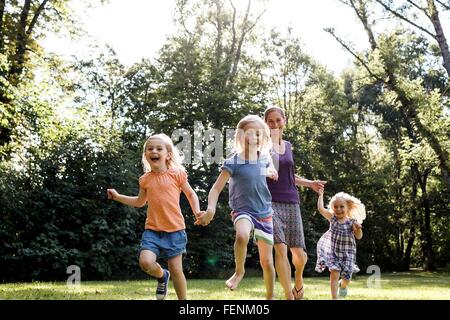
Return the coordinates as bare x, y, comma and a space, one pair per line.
163, 191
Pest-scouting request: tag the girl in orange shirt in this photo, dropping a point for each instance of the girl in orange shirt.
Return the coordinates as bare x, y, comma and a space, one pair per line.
164, 236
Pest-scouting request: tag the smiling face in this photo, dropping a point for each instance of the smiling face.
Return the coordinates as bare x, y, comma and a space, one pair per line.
276, 121
156, 154
339, 208
253, 135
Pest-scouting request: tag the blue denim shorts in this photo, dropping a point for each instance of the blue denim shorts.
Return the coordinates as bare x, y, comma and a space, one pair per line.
165, 245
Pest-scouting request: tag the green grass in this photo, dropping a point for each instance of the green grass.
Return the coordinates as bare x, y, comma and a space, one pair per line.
394, 286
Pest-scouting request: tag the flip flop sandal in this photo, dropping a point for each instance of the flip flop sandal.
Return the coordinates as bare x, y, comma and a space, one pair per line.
296, 293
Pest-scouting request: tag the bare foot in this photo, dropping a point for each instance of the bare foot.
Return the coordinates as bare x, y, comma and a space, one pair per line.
233, 282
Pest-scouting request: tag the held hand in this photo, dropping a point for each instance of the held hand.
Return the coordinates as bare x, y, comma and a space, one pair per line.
320, 191
356, 226
205, 217
112, 194
318, 185
272, 174
198, 217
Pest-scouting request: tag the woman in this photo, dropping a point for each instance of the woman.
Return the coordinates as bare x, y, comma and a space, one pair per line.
287, 221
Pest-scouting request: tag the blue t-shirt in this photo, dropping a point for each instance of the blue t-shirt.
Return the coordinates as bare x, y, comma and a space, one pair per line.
248, 186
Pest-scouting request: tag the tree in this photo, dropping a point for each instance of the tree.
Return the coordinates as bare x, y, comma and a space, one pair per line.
398, 83
408, 12
20, 28
390, 80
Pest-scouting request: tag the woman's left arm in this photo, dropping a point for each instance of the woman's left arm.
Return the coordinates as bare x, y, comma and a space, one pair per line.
316, 185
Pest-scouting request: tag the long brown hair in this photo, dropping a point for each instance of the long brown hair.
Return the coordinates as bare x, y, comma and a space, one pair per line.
271, 109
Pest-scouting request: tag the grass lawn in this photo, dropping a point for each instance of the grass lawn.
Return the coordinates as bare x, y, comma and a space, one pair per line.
393, 286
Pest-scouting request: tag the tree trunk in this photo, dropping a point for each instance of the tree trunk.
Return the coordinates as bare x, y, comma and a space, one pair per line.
5, 131
427, 243
399, 244
24, 32
361, 12
219, 48
412, 231
440, 36
412, 237
21, 45
237, 54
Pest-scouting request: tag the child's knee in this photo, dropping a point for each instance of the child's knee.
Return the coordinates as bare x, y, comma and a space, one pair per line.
176, 271
242, 238
144, 265
334, 274
148, 266
266, 262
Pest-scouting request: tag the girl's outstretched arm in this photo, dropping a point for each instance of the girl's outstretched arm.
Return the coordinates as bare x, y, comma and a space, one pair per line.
213, 197
324, 212
192, 198
138, 201
357, 230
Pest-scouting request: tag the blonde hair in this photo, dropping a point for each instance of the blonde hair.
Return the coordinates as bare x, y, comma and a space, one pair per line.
175, 160
271, 109
356, 208
265, 146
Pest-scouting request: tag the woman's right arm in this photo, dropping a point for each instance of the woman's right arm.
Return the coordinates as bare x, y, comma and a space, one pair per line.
324, 212
138, 201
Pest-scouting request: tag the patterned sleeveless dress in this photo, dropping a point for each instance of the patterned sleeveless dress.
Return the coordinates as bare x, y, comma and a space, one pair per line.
336, 249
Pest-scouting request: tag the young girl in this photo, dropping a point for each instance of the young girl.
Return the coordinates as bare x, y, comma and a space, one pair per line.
164, 236
287, 219
336, 249
249, 198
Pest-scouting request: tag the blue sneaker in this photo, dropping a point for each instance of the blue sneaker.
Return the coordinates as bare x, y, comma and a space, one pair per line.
342, 291
161, 289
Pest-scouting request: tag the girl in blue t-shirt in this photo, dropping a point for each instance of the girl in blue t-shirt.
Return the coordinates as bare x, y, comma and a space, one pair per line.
249, 198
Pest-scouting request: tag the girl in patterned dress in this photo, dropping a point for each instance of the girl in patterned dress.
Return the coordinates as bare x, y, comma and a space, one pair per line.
336, 249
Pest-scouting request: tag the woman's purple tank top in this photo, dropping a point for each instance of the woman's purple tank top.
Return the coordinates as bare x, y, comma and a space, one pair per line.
284, 190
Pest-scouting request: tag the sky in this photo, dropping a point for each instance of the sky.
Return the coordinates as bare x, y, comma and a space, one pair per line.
137, 29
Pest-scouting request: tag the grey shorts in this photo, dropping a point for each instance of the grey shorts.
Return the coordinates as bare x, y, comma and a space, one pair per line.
288, 225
